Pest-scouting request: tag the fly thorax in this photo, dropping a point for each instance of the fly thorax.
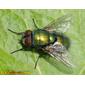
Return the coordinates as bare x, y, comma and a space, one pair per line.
41, 37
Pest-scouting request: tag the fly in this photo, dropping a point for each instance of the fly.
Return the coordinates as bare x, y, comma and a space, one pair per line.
50, 39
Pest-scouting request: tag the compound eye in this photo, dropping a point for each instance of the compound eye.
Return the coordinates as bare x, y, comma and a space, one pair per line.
27, 41
27, 33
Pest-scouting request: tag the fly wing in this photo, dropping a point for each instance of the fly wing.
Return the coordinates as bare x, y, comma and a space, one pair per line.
60, 25
59, 52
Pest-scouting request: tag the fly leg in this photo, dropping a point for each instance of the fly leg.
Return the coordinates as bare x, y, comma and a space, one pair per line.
21, 33
35, 23
17, 50
36, 62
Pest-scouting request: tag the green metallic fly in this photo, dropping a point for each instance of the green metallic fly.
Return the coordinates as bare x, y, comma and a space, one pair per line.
50, 39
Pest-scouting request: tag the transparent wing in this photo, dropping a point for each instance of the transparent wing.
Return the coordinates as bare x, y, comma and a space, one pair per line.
60, 25
58, 52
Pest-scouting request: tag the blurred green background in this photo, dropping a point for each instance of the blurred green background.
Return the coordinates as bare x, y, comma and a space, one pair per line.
23, 62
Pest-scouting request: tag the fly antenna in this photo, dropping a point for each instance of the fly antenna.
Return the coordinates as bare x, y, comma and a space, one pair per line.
15, 32
17, 50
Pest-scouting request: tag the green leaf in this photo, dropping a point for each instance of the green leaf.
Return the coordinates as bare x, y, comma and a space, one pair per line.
23, 62
9, 65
